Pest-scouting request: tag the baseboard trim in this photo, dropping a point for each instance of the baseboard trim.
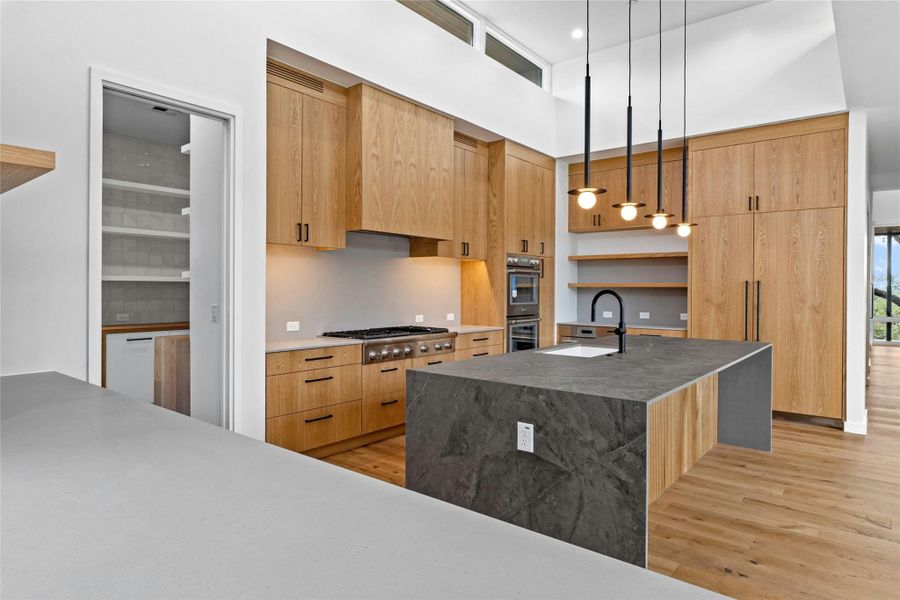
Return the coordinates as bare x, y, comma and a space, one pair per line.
858, 427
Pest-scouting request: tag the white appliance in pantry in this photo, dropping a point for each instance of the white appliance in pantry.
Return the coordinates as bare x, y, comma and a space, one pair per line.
130, 362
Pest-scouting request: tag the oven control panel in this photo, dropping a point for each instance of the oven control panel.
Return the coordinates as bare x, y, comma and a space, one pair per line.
398, 349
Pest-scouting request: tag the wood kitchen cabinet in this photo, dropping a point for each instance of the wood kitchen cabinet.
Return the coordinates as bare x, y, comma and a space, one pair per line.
530, 208
470, 206
547, 329
721, 181
305, 179
399, 166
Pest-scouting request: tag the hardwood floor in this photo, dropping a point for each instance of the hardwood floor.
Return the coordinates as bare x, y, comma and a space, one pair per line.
819, 517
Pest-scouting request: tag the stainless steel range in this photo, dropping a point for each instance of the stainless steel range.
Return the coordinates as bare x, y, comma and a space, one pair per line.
382, 344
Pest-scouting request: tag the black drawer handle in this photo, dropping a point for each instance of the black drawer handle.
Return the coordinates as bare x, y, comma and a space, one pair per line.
317, 419
435, 362
146, 339
312, 358
389, 402
390, 370
480, 339
318, 379
480, 354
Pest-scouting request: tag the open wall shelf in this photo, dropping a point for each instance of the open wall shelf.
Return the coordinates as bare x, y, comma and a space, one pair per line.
632, 256
151, 233
630, 284
145, 188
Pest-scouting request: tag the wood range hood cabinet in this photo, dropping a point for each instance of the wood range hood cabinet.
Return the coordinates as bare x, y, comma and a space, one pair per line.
399, 166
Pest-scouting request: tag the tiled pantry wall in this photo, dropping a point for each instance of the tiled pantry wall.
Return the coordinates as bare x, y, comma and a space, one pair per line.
144, 302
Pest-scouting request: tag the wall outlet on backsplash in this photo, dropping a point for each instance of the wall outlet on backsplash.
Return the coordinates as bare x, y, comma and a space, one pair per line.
451, 317
644, 315
293, 325
420, 318
121, 317
607, 314
684, 316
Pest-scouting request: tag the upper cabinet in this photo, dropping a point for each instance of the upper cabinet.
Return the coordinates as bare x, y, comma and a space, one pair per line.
400, 165
802, 166
611, 174
470, 205
529, 190
306, 160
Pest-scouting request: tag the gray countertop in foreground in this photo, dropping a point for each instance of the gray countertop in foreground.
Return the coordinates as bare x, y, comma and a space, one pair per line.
104, 496
651, 368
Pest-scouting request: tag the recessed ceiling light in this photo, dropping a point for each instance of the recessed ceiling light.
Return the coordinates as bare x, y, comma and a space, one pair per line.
577, 34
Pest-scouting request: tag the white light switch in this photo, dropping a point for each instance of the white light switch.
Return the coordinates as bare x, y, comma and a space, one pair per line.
645, 315
420, 318
293, 325
607, 314
525, 437
684, 316
451, 316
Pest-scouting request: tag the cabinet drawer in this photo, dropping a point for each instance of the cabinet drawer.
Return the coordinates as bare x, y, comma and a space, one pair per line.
426, 361
659, 332
313, 428
384, 378
315, 358
293, 392
383, 411
478, 340
470, 353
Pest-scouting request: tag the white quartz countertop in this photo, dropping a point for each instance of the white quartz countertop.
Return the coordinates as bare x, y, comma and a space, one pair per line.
614, 323
105, 496
309, 343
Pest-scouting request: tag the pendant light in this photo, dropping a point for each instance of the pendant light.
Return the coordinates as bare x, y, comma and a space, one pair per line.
659, 219
683, 229
628, 209
587, 195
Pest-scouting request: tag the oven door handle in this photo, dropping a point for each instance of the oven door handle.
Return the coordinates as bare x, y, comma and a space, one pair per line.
522, 271
523, 320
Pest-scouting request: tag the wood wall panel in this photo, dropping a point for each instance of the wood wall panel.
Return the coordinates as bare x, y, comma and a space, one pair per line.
681, 428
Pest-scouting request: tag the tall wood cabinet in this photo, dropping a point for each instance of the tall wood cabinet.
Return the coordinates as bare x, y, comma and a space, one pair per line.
399, 163
530, 202
305, 147
767, 255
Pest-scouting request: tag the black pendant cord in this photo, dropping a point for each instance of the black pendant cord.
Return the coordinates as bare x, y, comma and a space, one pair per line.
684, 148
628, 140
659, 148
587, 96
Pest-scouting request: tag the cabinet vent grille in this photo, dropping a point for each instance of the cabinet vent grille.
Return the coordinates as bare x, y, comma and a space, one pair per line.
464, 139
295, 76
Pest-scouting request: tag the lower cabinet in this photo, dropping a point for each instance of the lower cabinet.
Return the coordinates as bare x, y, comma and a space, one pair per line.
469, 353
384, 395
679, 333
313, 428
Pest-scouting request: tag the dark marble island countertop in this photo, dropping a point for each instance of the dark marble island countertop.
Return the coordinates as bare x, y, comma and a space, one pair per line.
651, 368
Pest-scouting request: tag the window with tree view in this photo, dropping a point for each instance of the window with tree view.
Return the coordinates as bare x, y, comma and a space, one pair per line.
886, 286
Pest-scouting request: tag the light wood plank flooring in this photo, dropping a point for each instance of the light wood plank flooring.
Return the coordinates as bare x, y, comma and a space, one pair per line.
819, 517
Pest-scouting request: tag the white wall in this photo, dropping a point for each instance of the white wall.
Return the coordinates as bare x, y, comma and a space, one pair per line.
771, 62
206, 50
857, 274
886, 208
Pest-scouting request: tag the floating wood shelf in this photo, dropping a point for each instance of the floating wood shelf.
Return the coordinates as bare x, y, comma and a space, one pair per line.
633, 256
19, 165
145, 188
148, 278
152, 233
630, 284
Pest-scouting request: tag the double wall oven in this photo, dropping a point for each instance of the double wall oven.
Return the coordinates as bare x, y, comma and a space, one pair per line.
523, 302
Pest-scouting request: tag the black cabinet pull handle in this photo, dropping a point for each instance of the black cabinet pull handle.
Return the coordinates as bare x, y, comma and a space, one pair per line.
524, 245
435, 362
750, 203
389, 370
746, 307
389, 402
757, 203
594, 220
330, 377
317, 419
145, 339
542, 247
312, 358
758, 286
299, 229
480, 339
306, 236
481, 354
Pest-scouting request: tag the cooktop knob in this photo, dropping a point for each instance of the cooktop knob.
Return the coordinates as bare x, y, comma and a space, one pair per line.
384, 353
437, 346
423, 348
447, 345
396, 352
407, 350
373, 355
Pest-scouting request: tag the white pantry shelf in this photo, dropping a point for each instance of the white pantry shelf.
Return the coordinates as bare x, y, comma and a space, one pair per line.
145, 188
147, 278
151, 233
186, 211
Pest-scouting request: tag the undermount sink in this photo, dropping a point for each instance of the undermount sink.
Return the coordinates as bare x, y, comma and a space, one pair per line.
581, 351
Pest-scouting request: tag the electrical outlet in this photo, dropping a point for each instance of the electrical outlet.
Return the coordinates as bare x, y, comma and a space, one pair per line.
684, 316
644, 315
293, 325
451, 317
120, 317
420, 318
525, 437
607, 314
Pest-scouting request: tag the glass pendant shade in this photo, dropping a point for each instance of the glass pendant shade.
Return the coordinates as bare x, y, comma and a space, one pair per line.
659, 221
629, 212
683, 230
587, 199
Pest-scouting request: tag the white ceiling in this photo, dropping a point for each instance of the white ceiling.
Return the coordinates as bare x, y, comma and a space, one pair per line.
131, 117
545, 26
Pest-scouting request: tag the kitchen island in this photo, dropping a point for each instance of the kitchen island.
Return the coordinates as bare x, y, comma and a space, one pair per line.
610, 433
105, 496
